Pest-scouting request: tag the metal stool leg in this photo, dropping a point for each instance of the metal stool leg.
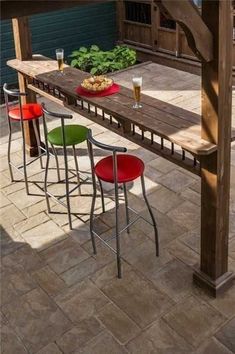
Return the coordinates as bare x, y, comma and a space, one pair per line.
92, 216
38, 141
77, 170
151, 214
45, 179
126, 207
102, 195
56, 161
9, 152
67, 186
119, 265
24, 159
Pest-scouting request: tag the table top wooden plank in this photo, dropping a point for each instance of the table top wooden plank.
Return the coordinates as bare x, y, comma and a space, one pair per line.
165, 120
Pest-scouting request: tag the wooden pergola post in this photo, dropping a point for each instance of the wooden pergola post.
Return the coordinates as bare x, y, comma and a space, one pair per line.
215, 169
23, 49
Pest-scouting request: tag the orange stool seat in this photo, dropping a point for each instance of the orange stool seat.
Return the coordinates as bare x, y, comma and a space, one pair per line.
30, 111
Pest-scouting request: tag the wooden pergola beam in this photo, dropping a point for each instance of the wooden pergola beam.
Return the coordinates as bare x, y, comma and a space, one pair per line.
186, 14
14, 9
215, 169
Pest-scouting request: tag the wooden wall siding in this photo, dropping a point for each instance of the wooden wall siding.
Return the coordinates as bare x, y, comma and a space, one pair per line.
68, 29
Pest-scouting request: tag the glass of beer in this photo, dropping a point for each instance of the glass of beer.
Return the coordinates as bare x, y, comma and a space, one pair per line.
60, 59
137, 85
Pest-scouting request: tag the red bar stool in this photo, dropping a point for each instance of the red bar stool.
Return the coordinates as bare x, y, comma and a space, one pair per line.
21, 113
118, 168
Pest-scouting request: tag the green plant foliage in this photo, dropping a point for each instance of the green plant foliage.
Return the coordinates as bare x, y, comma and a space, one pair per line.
97, 62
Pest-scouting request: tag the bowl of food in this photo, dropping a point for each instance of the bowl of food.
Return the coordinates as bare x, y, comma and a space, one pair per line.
95, 84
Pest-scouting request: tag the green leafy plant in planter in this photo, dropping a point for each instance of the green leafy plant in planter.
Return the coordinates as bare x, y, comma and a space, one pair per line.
98, 62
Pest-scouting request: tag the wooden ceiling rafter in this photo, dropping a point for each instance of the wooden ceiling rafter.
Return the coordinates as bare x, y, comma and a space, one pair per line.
20, 8
187, 15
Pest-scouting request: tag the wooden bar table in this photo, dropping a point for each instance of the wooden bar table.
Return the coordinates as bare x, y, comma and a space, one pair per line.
167, 130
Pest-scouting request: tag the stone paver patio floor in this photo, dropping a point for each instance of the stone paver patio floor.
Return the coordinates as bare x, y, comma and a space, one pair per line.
57, 297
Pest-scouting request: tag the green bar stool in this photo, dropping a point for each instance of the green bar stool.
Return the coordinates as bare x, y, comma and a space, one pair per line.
63, 136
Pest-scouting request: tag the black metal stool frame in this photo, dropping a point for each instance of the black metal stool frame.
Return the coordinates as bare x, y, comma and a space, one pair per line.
115, 150
17, 94
62, 117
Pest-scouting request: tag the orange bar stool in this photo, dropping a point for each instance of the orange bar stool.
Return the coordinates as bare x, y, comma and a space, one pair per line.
118, 169
21, 113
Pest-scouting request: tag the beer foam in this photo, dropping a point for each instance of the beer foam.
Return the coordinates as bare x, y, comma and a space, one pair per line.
137, 81
59, 56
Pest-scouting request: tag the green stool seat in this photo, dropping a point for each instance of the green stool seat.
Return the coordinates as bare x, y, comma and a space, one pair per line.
74, 134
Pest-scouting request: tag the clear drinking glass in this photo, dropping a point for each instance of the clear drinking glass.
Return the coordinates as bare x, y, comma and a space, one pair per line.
60, 59
137, 86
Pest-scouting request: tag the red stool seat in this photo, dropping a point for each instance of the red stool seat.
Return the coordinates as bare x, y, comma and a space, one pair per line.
129, 168
30, 111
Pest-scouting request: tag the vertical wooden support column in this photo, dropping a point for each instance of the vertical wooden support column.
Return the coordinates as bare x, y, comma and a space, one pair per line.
216, 128
23, 49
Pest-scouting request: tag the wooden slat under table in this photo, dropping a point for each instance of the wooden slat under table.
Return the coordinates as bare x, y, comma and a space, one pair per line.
169, 131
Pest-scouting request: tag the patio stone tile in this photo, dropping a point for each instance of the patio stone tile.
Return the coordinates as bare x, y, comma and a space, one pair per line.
4, 181
10, 215
192, 239
118, 323
36, 208
144, 154
152, 173
103, 256
224, 303
36, 319
196, 187
64, 255
3, 200
168, 229
78, 336
26, 257
159, 338
194, 320
138, 298
49, 281
13, 187
81, 301
144, 258
15, 282
109, 216
175, 279
31, 222
226, 335
10, 343
100, 344
15, 158
44, 235
187, 214
136, 203
10, 240
16, 145
213, 346
50, 349
164, 199
128, 241
80, 271
136, 187
59, 214
232, 223
183, 253
162, 165
22, 200
176, 180
192, 196
107, 273
232, 248
80, 232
